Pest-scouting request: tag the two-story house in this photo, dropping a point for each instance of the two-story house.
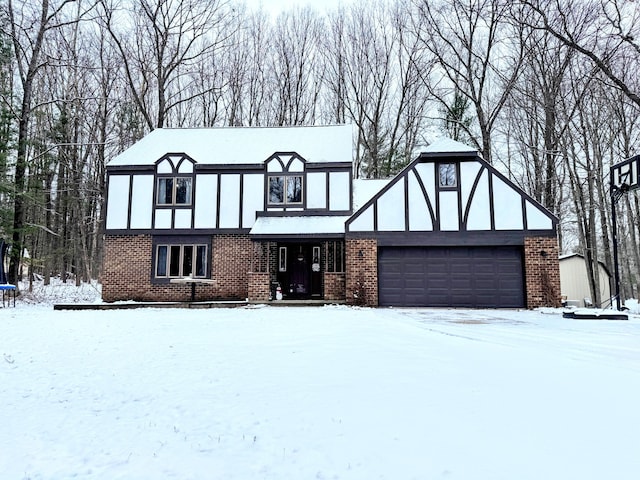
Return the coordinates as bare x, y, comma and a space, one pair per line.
249, 209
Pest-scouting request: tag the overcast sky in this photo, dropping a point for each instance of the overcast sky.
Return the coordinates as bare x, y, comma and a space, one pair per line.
277, 6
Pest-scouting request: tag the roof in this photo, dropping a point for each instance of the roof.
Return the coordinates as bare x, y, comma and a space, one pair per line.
447, 145
365, 189
241, 145
299, 225
569, 256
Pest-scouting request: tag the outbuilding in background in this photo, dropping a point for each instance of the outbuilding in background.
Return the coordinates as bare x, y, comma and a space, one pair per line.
574, 281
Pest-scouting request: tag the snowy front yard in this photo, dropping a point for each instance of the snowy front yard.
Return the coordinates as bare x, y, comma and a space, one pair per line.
317, 393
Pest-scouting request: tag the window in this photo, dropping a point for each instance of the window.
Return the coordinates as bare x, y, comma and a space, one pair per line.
174, 261
447, 174
285, 189
335, 257
282, 259
315, 259
174, 191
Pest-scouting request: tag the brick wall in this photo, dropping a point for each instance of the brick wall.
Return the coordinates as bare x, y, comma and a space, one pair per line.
259, 286
231, 264
127, 270
334, 286
126, 267
362, 272
542, 272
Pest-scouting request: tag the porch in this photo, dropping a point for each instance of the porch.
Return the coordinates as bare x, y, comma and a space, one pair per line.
298, 271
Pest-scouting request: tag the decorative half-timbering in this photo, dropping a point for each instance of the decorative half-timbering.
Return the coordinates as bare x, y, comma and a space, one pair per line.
196, 200
445, 193
270, 213
450, 230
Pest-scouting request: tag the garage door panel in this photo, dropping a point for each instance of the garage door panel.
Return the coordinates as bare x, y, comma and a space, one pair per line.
414, 269
459, 269
438, 284
458, 283
451, 276
415, 285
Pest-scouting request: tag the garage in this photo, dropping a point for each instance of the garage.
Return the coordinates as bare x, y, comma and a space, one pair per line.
451, 231
480, 276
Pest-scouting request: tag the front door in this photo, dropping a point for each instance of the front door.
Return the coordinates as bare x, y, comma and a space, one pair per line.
299, 272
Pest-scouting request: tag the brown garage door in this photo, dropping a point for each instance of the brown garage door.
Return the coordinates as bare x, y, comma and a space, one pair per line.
489, 277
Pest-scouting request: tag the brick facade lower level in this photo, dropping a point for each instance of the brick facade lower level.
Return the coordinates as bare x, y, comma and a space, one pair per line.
542, 272
362, 272
259, 286
127, 270
334, 286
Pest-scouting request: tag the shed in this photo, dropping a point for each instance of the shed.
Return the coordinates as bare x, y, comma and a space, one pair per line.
574, 281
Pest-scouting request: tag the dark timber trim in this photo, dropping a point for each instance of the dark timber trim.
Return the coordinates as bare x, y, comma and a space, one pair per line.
463, 211
178, 231
306, 213
466, 238
130, 169
472, 193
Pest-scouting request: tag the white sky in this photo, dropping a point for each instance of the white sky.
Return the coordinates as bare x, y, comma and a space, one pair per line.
277, 6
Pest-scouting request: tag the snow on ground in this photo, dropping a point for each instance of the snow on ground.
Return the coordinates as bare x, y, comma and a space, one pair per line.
269, 392
59, 292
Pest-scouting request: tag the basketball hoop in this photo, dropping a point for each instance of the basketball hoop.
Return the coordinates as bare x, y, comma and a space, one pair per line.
623, 178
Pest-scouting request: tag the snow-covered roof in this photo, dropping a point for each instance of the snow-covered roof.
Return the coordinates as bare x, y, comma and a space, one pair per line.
365, 189
447, 145
241, 145
299, 225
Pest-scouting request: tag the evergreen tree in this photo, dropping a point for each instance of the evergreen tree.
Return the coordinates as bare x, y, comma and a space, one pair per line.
457, 120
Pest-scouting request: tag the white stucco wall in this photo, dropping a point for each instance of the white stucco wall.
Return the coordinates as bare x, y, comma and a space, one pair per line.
118, 202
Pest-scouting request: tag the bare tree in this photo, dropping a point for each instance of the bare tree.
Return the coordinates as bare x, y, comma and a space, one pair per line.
604, 31
370, 44
536, 117
30, 23
479, 54
334, 58
296, 67
160, 50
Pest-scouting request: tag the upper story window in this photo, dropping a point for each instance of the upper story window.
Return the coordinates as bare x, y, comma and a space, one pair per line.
174, 180
174, 190
285, 180
447, 175
285, 189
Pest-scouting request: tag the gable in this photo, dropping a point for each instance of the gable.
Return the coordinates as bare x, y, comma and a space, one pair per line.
575, 262
429, 196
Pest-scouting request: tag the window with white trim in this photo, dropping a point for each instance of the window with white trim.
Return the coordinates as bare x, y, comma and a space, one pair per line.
175, 261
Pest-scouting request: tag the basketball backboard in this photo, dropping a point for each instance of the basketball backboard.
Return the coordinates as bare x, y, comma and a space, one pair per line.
624, 175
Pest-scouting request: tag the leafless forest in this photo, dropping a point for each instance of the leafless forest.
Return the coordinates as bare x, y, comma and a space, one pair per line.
547, 90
